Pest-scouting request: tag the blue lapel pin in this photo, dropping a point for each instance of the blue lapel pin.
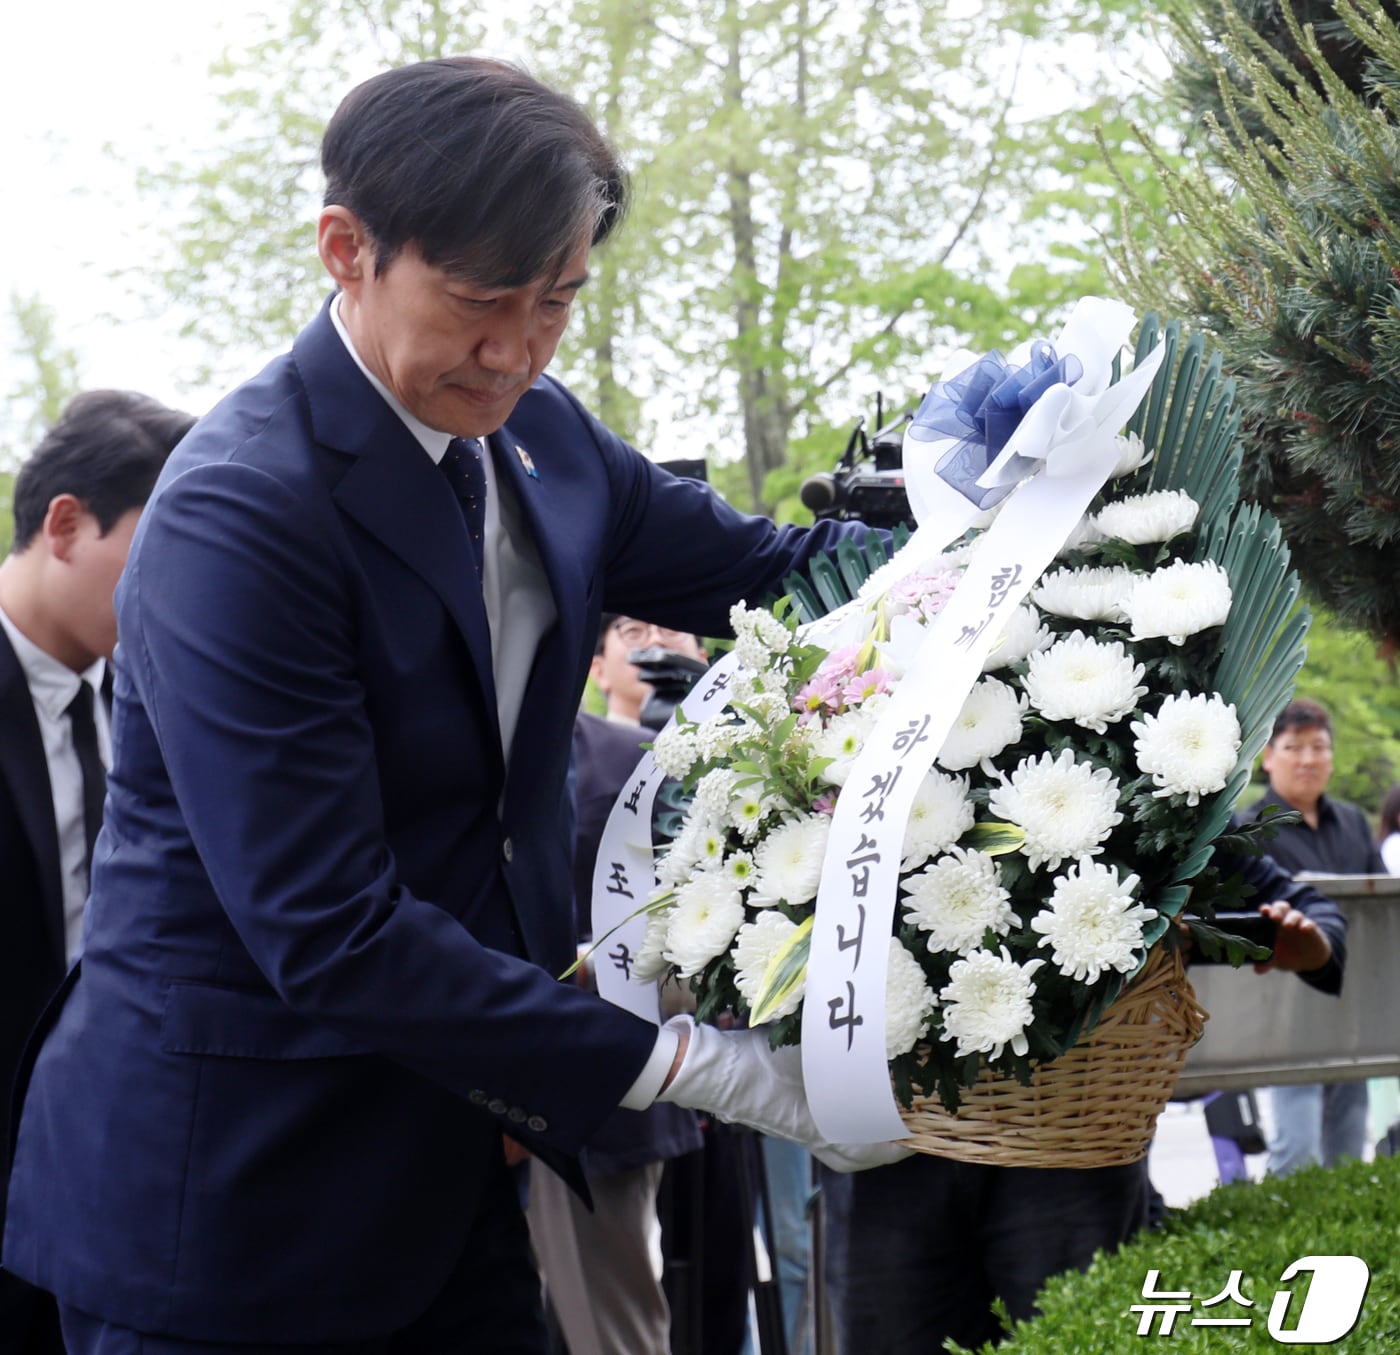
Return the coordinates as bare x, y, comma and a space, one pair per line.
526, 462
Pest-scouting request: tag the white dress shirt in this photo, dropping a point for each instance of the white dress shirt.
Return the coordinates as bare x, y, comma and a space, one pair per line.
519, 609
52, 687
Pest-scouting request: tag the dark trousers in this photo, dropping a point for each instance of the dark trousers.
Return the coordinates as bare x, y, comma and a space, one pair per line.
917, 1251
489, 1306
28, 1319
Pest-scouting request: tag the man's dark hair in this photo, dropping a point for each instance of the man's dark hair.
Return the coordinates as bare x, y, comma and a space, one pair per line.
605, 624
1301, 714
106, 449
477, 165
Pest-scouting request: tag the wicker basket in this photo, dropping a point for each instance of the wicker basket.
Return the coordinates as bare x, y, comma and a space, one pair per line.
1094, 1106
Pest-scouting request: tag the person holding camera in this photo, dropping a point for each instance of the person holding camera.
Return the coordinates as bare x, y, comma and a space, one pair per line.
1317, 1122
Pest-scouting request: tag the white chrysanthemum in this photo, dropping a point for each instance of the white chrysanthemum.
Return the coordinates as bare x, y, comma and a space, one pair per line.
757, 942
1189, 747
679, 859
1084, 594
1178, 600
1024, 634
707, 913
1084, 680
1143, 519
940, 815
750, 809
1066, 808
739, 869
675, 750
909, 1001
1132, 453
987, 1003
1084, 535
1092, 923
989, 721
844, 737
957, 900
789, 862
650, 962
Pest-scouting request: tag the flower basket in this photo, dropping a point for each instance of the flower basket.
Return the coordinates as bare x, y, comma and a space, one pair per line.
946, 834
1095, 1106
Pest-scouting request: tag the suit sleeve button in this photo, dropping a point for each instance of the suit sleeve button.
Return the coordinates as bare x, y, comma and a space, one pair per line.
515, 1115
508, 850
477, 1097
496, 1106
537, 1124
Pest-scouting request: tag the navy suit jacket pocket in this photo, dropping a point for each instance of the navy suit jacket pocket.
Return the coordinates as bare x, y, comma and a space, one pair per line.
244, 1023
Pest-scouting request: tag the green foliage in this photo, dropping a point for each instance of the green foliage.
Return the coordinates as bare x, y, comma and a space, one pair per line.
1288, 250
825, 194
1256, 1229
50, 380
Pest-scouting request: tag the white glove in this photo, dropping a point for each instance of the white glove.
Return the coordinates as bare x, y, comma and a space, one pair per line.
735, 1076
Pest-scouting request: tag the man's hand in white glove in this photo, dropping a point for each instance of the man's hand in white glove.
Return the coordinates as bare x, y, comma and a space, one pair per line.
735, 1076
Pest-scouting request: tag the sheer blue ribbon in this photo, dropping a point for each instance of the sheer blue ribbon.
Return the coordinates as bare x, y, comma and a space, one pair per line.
982, 407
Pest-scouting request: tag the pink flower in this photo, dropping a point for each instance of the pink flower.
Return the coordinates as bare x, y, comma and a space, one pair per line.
820, 696
865, 685
825, 804
926, 594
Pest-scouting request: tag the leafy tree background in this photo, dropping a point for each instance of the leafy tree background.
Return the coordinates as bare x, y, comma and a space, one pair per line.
50, 378
827, 193
1282, 241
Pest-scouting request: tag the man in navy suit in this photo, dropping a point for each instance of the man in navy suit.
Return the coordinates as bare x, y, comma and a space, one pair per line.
76, 501
331, 892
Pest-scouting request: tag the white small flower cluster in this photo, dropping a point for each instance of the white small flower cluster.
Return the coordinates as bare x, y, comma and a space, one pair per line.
759, 637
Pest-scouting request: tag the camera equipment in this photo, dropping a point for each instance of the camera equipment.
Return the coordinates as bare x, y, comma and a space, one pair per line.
874, 495
669, 675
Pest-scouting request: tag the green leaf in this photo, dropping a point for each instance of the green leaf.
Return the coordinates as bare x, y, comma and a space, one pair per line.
993, 839
785, 971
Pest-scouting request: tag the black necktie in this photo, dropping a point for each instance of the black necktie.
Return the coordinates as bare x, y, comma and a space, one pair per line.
90, 760
465, 473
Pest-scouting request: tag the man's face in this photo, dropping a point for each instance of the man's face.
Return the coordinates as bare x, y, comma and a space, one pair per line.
1299, 764
617, 678
86, 579
456, 355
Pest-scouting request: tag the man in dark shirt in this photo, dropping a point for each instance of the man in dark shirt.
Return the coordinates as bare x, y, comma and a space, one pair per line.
1314, 1123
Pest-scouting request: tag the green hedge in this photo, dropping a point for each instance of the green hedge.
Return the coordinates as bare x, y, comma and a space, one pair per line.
1353, 1209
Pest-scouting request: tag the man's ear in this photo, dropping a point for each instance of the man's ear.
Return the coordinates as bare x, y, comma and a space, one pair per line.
345, 248
1267, 761
61, 524
595, 671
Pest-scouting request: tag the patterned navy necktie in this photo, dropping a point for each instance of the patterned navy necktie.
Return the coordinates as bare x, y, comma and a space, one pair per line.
462, 466
90, 760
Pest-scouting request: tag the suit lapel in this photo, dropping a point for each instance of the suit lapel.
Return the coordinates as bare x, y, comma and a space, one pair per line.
25, 770
393, 489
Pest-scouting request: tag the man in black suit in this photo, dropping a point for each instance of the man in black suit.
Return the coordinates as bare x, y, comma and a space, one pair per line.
76, 502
